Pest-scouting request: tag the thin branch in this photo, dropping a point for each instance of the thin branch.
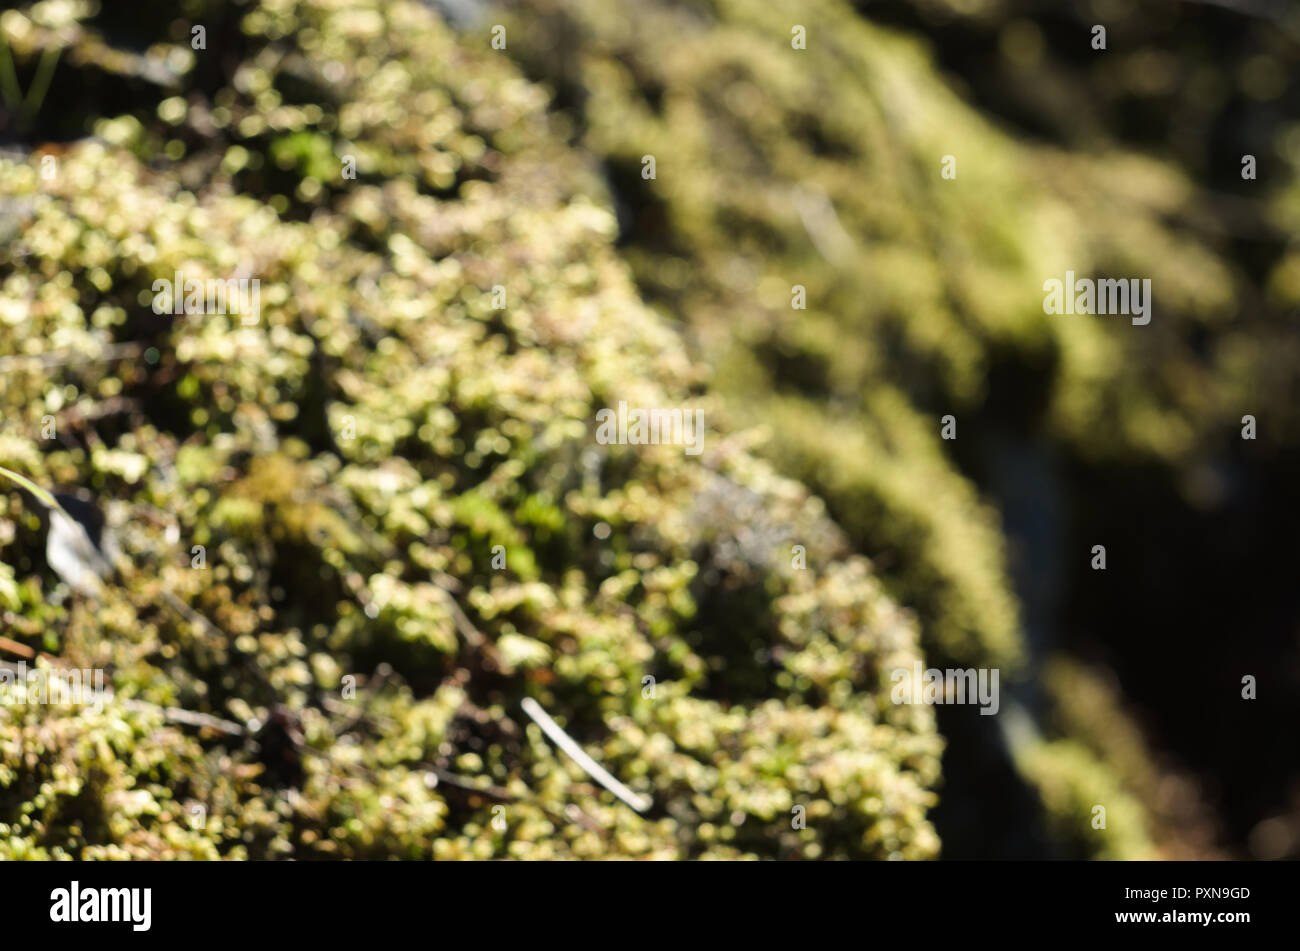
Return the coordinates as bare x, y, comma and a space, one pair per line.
472, 635
58, 358
13, 647
188, 717
75, 415
170, 714
191, 615
461, 782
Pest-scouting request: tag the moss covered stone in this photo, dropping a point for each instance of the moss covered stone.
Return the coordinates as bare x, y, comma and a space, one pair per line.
351, 462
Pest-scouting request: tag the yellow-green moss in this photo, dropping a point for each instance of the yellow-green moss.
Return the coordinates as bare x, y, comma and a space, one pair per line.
336, 563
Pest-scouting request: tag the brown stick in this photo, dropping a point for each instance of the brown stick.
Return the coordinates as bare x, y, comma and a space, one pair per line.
13, 647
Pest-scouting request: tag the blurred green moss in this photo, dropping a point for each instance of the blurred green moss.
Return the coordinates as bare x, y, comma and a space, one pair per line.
350, 462
821, 168
779, 169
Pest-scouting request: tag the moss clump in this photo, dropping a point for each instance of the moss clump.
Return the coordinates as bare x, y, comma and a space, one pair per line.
1089, 814
1088, 707
815, 176
822, 168
349, 463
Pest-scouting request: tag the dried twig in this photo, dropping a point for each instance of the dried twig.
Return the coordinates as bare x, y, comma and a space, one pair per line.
472, 635
170, 714
589, 765
189, 717
13, 647
461, 782
58, 358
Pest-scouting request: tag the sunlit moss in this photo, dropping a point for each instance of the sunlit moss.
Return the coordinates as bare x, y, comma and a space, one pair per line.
329, 485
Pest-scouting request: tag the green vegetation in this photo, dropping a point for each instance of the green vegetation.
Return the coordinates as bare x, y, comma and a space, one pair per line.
353, 463
822, 168
333, 560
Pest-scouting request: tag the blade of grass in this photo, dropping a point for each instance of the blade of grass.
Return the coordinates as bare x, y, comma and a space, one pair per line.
42, 496
13, 96
41, 83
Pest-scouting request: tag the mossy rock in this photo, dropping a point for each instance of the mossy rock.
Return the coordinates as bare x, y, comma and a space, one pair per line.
349, 463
